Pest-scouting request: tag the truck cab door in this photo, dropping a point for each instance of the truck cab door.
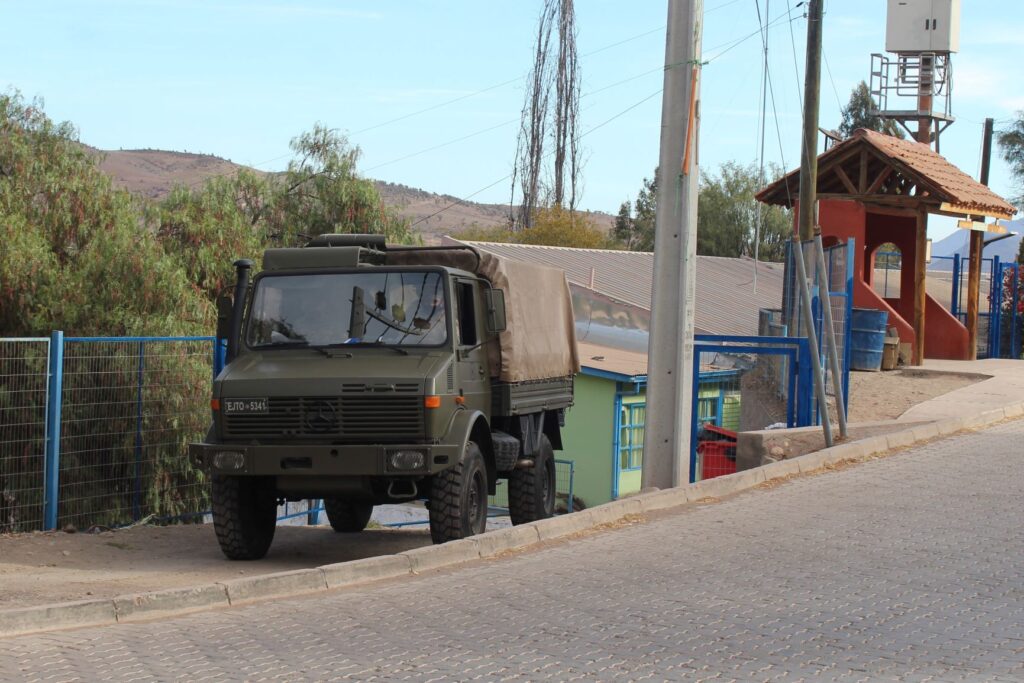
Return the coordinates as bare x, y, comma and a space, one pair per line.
472, 380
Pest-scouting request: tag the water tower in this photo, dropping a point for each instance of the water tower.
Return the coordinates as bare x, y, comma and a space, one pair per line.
913, 82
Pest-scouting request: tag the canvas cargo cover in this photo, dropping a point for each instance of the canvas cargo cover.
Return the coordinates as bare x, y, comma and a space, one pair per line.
539, 341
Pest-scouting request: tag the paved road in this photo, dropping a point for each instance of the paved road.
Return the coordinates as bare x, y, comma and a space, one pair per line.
907, 568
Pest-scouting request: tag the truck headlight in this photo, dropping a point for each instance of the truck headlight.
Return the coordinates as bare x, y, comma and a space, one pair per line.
229, 460
407, 460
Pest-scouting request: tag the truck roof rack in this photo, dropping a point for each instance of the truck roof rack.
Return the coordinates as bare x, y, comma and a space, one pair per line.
365, 241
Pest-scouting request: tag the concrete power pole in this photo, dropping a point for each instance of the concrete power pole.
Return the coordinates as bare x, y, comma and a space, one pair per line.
977, 246
670, 351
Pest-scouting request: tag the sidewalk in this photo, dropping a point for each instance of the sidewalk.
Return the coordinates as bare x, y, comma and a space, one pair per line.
1005, 386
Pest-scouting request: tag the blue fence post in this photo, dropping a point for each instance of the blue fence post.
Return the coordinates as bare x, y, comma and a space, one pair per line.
137, 484
694, 412
995, 309
955, 299
1015, 315
54, 400
572, 477
219, 355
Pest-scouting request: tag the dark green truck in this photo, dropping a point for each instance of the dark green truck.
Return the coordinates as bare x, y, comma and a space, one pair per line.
366, 374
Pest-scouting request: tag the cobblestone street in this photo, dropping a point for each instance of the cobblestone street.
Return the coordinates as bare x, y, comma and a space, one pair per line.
906, 568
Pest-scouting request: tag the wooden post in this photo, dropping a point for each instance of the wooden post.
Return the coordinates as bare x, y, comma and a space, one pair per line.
973, 289
919, 284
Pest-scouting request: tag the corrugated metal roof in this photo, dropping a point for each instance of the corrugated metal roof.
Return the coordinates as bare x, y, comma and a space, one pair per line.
726, 301
618, 361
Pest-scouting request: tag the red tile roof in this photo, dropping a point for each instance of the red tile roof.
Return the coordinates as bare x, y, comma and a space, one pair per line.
948, 183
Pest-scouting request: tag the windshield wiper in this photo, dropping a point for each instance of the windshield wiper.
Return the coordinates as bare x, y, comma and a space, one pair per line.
294, 345
393, 347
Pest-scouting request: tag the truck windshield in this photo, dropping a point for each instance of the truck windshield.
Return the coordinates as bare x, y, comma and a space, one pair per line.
328, 309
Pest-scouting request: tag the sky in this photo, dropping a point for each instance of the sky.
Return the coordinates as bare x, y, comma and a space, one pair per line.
431, 91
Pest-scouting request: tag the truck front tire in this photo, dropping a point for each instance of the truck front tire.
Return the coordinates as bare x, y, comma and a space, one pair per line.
347, 517
458, 498
531, 491
244, 515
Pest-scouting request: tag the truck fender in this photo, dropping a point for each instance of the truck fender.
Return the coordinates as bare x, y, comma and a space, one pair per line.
471, 425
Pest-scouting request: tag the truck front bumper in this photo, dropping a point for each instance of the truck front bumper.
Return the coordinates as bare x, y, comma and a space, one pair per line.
323, 460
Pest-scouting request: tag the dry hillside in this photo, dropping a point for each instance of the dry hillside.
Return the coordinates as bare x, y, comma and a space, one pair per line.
152, 173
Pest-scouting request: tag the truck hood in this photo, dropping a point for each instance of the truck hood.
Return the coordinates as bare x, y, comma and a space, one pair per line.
307, 373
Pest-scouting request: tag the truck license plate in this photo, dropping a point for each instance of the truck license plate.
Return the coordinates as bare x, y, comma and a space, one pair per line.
249, 406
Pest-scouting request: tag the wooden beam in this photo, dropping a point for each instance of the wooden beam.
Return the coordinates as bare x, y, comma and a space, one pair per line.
919, 285
881, 178
846, 180
968, 211
973, 288
862, 180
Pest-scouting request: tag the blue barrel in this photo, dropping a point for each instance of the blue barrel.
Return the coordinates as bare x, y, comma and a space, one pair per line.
867, 338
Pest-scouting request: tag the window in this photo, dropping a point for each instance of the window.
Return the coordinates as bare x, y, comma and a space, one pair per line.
467, 313
405, 308
631, 435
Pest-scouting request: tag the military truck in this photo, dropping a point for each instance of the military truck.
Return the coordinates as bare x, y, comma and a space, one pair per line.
366, 374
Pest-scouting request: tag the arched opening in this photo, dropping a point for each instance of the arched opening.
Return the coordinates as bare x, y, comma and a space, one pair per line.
887, 260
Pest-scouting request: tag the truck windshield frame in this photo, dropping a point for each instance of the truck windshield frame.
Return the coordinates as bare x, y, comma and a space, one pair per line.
401, 308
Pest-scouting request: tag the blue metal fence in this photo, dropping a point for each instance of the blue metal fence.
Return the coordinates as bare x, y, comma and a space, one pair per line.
794, 390
839, 264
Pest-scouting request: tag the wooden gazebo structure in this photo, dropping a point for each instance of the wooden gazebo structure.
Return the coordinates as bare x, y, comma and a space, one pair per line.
878, 189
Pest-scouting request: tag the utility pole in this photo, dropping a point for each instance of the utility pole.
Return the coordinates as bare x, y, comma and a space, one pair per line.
808, 223
812, 96
670, 350
977, 246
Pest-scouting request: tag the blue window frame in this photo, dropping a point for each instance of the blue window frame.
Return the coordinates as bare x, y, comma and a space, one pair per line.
631, 436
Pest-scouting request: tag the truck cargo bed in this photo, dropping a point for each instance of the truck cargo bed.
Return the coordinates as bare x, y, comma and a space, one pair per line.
521, 398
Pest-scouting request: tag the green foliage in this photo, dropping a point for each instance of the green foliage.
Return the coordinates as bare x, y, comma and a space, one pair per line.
857, 114
74, 257
1011, 143
206, 228
634, 224
727, 215
552, 226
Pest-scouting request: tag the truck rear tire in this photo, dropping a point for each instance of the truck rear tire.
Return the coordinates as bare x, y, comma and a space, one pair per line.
244, 515
347, 517
458, 498
531, 491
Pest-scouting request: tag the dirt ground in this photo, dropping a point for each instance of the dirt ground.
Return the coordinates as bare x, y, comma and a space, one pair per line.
50, 567
887, 395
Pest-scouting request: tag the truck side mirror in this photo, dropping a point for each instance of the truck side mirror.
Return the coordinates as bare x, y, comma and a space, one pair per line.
225, 304
494, 300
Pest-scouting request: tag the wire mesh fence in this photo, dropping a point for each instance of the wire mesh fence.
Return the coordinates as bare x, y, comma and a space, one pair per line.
744, 384
23, 390
129, 409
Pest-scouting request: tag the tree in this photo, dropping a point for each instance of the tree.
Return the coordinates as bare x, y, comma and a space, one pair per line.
559, 71
554, 227
74, 257
634, 224
205, 228
727, 215
1011, 143
857, 114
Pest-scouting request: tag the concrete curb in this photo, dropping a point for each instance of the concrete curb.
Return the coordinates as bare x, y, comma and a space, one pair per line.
142, 606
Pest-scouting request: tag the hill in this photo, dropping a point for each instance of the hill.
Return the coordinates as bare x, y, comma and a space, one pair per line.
959, 243
152, 173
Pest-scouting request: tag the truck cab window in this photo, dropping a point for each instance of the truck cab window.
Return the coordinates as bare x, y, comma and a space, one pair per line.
467, 313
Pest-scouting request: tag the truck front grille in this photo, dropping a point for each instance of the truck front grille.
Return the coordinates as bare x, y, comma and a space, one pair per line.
355, 419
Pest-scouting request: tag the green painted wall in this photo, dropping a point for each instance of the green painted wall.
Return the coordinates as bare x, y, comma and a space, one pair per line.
588, 436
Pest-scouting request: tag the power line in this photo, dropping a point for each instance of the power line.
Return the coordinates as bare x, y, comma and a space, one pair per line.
463, 200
